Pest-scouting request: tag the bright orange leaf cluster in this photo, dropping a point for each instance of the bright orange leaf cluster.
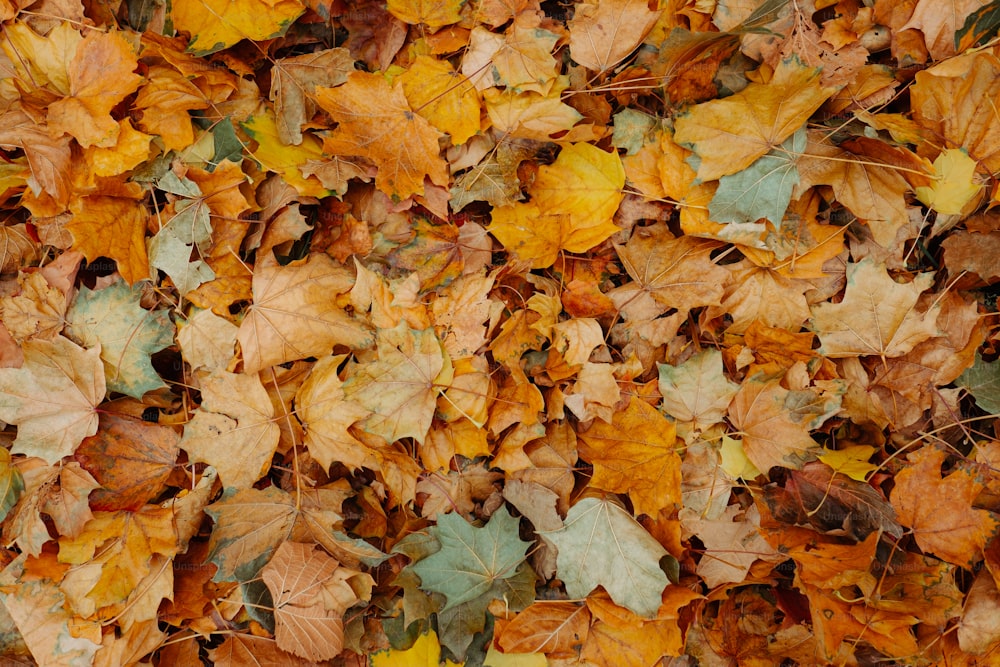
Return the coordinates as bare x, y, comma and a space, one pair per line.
499, 332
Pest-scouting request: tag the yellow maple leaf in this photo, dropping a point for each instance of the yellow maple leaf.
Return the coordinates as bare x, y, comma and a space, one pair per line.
851, 461
443, 96
728, 135
376, 122
112, 223
954, 184
217, 24
281, 158
573, 203
432, 13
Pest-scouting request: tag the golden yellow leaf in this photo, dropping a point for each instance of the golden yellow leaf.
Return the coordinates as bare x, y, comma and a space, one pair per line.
112, 223
634, 454
851, 461
729, 134
218, 24
953, 186
432, 13
130, 149
529, 115
42, 61
284, 159
576, 197
443, 96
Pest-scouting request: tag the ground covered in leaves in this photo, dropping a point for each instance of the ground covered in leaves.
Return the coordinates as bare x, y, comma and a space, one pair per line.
499, 332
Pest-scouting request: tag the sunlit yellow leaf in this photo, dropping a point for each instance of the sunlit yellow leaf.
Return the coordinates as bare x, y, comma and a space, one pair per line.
217, 24
851, 461
573, 202
444, 97
284, 159
954, 185
432, 13
425, 652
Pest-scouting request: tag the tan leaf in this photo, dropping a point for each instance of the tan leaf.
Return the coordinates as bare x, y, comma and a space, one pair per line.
304, 627
234, 429
53, 397
292, 316
877, 316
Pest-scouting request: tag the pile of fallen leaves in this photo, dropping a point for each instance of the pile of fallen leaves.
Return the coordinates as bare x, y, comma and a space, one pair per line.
499, 332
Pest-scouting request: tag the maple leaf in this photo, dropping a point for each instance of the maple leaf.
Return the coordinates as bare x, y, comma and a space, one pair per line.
45, 622
602, 545
635, 454
521, 59
233, 430
291, 317
877, 316
432, 14
575, 198
696, 391
400, 389
250, 525
306, 623
672, 272
327, 416
130, 459
218, 24
113, 552
100, 76
772, 435
297, 77
763, 189
939, 509
53, 397
728, 135
112, 224
377, 122
112, 320
602, 34
471, 560
443, 96
288, 160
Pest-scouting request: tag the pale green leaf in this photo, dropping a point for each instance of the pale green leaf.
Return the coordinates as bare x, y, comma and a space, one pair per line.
762, 190
600, 544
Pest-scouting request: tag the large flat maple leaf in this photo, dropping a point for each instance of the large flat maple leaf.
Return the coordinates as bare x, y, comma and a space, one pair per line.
377, 122
217, 24
877, 316
602, 545
292, 316
234, 429
728, 135
401, 387
939, 509
773, 435
126, 332
112, 223
634, 454
52, 397
573, 202
471, 559
100, 76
